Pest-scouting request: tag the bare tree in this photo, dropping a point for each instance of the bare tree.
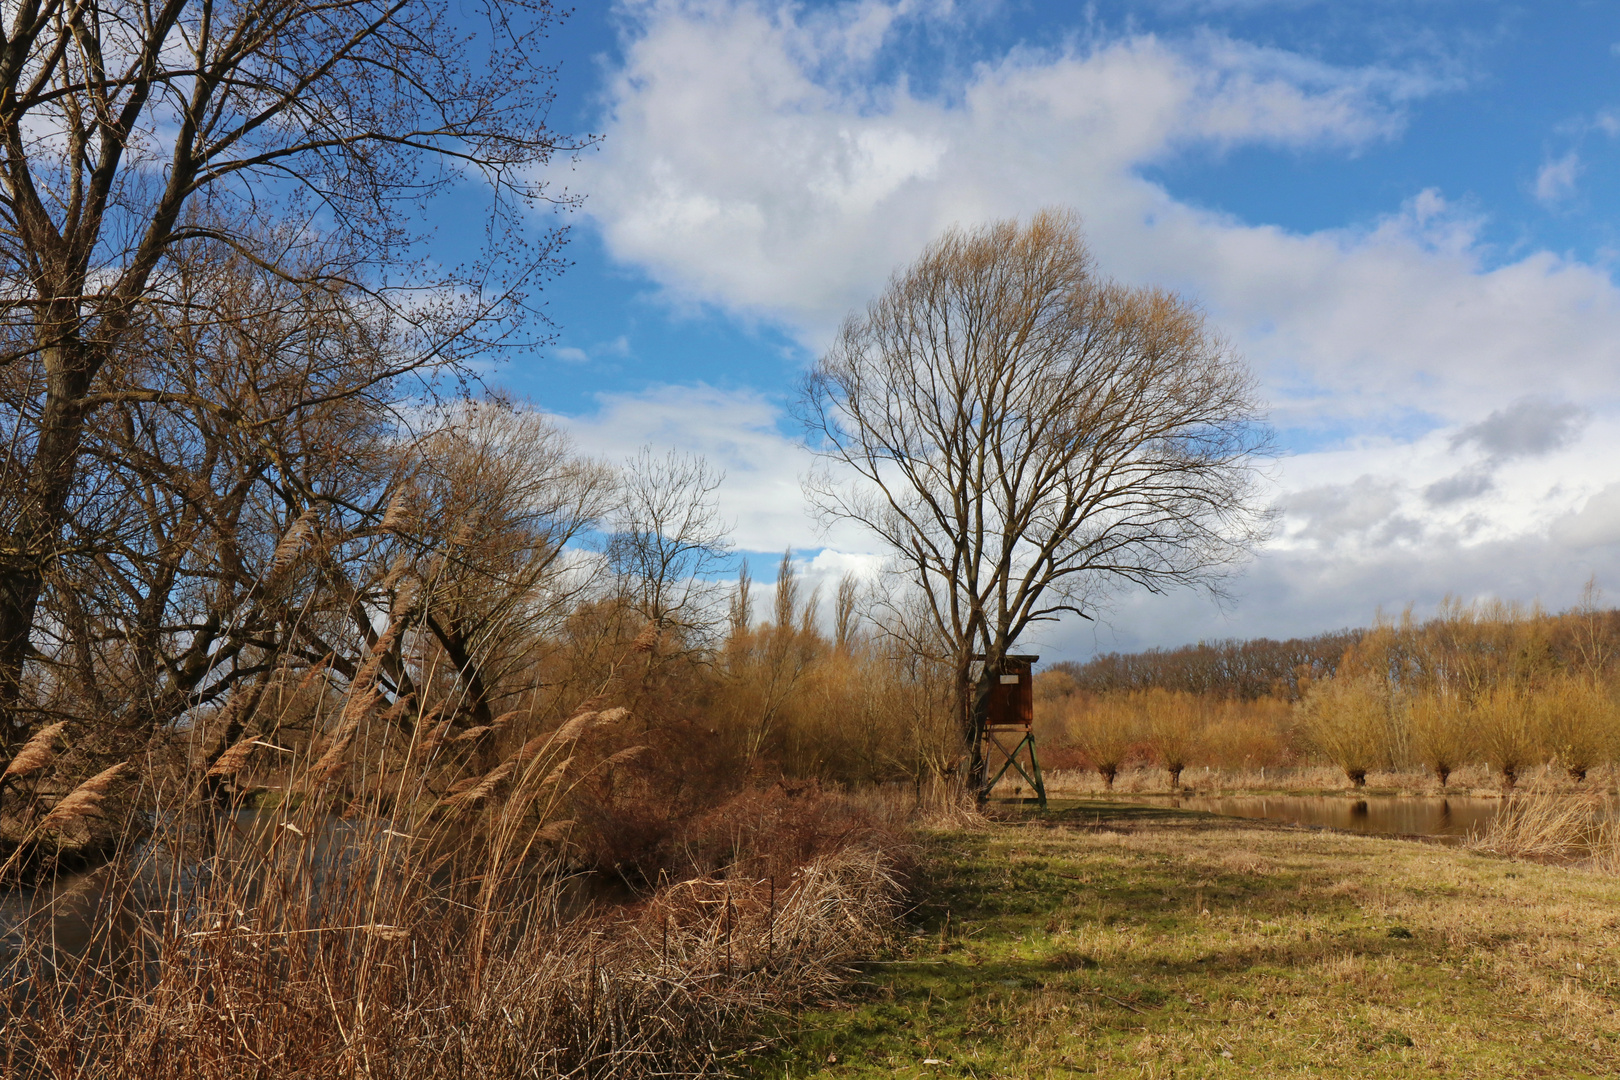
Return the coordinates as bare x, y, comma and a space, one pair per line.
740, 614
267, 434
300, 134
668, 541
845, 616
489, 516
1025, 436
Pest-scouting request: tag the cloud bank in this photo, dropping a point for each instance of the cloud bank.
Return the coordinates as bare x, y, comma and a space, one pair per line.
1453, 411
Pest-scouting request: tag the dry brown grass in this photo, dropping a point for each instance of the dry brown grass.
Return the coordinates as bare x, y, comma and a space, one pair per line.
412, 904
288, 976
1113, 941
1544, 824
296, 944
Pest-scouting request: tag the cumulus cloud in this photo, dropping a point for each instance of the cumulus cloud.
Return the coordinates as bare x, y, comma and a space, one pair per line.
739, 172
1333, 512
1529, 427
1471, 483
741, 435
1596, 524
744, 168
757, 162
1556, 179
738, 433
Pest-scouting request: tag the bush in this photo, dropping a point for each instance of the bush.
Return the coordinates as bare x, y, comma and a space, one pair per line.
1346, 719
1105, 730
1509, 731
1174, 727
1442, 732
1576, 719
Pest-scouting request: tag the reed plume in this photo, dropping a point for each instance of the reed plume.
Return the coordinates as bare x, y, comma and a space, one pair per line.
83, 801
235, 759
354, 710
35, 754
292, 542
481, 790
555, 830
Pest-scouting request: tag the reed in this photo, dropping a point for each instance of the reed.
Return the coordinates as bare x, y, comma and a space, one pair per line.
35, 754
435, 899
288, 976
83, 801
1540, 822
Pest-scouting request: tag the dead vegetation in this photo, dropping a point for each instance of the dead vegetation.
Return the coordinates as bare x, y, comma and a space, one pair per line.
588, 846
369, 921
1481, 686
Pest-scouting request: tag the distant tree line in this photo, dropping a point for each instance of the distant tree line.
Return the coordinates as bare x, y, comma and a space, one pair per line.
1490, 683
1233, 668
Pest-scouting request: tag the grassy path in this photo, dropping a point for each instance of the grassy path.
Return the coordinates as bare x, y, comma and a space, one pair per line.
1118, 942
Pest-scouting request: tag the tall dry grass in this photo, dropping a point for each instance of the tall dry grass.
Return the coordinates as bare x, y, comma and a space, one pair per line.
338, 893
382, 970
1538, 821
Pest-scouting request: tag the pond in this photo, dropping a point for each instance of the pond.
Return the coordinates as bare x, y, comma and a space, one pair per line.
1444, 817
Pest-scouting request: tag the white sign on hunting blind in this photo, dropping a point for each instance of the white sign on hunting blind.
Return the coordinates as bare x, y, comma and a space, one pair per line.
1009, 680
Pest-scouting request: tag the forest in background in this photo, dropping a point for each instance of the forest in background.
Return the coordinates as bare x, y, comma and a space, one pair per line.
1489, 683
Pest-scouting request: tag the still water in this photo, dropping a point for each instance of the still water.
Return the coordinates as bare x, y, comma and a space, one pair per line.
1446, 817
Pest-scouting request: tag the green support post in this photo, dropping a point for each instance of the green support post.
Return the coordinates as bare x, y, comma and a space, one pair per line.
1032, 775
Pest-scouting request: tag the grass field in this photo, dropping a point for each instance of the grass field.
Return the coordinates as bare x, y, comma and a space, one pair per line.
1102, 940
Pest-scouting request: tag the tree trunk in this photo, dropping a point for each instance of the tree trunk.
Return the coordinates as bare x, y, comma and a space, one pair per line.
69, 370
972, 701
20, 586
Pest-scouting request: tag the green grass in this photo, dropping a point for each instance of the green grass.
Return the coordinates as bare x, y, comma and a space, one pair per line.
1104, 940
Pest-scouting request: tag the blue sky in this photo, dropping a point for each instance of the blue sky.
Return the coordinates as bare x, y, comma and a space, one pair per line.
1403, 213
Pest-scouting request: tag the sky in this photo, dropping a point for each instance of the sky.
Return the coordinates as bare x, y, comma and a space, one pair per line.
1405, 215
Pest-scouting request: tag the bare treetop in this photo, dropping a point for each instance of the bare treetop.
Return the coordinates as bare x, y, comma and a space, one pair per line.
1025, 435
298, 136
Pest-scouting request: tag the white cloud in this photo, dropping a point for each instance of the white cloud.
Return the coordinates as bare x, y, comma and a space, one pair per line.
753, 163
736, 172
617, 348
1596, 524
738, 433
1555, 182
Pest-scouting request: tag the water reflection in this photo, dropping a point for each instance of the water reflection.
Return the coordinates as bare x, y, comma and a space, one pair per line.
171, 870
1453, 817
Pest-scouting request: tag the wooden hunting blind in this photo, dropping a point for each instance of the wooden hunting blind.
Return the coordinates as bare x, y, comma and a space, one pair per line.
1007, 736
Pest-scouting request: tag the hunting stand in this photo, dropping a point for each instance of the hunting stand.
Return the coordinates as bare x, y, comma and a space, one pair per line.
1007, 726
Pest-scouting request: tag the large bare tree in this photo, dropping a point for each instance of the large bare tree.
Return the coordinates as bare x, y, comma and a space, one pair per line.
301, 135
1025, 436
